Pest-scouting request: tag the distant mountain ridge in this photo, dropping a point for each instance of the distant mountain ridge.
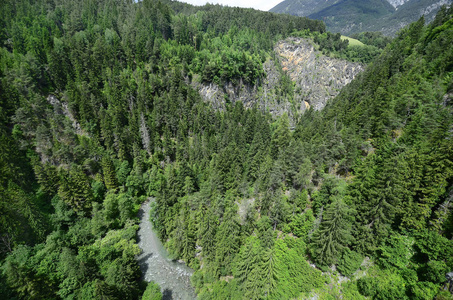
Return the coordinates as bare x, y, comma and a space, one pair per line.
302, 7
350, 16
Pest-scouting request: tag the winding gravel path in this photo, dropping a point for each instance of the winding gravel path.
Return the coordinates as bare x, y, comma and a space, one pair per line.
172, 276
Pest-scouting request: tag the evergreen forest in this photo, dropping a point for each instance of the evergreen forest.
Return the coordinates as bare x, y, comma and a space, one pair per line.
98, 114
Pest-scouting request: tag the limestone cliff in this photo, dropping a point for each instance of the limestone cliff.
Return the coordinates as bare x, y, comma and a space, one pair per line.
265, 96
316, 79
396, 3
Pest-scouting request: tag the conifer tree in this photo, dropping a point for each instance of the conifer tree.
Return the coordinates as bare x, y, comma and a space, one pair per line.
248, 268
281, 136
227, 238
108, 169
208, 223
269, 269
75, 189
247, 259
333, 234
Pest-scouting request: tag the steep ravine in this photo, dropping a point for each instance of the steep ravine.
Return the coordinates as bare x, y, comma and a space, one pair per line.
172, 276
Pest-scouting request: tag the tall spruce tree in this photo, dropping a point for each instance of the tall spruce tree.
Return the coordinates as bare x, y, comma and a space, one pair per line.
333, 234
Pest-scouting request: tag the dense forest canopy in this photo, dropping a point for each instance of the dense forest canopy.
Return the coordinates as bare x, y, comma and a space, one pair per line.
97, 114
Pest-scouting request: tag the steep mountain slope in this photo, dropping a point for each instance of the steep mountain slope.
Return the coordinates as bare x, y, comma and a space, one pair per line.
351, 16
401, 107
91, 92
409, 12
302, 7
391, 128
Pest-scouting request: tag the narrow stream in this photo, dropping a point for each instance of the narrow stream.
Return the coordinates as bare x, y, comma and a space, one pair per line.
172, 276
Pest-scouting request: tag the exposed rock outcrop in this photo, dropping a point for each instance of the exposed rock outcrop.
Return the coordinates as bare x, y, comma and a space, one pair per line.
317, 79
62, 108
264, 96
396, 3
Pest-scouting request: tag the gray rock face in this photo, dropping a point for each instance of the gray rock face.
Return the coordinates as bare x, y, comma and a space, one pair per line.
410, 11
317, 78
61, 108
263, 96
433, 7
396, 3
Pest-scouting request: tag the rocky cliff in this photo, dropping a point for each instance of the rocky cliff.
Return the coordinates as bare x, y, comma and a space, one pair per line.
396, 3
410, 11
315, 79
265, 96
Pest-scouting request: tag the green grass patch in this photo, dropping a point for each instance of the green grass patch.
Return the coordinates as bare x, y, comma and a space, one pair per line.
352, 42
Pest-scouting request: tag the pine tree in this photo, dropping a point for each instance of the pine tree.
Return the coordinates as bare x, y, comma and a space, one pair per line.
281, 136
75, 189
227, 238
108, 169
208, 224
248, 268
247, 259
269, 269
333, 234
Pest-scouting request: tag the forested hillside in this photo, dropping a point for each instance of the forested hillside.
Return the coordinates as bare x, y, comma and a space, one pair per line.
97, 114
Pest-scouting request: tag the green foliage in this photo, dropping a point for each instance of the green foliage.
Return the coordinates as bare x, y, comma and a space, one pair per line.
385, 285
434, 254
222, 19
396, 252
331, 190
227, 238
331, 42
373, 38
108, 170
75, 190
98, 112
444, 295
294, 274
349, 262
152, 292
281, 136
18, 270
337, 46
280, 272
222, 290
302, 224
333, 235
